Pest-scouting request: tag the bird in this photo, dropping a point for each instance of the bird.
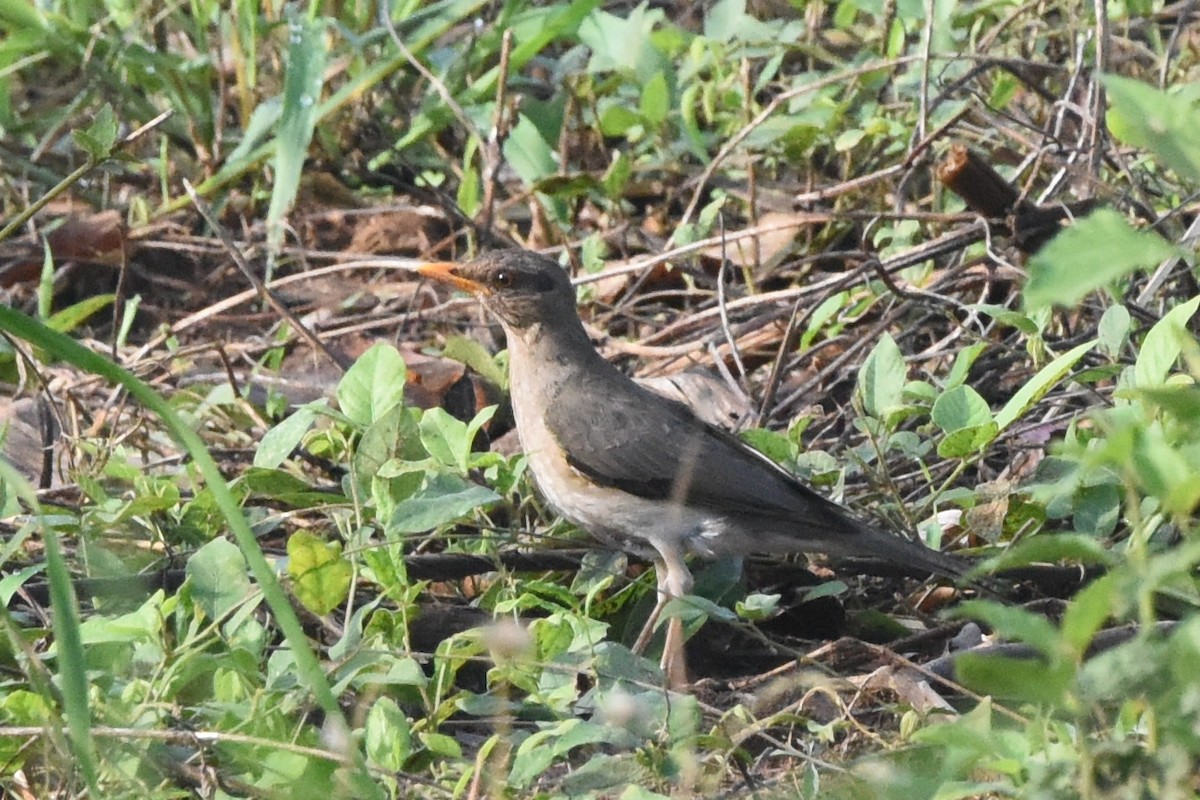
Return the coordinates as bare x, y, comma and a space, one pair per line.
639, 471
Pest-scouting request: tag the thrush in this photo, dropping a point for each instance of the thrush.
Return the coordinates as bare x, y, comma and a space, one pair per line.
640, 471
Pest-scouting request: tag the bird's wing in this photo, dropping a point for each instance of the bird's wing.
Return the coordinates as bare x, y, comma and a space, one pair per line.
620, 435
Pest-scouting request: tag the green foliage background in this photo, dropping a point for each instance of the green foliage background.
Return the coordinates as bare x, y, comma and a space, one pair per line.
560, 124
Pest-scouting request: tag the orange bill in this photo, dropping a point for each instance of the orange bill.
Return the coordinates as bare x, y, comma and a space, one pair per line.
449, 272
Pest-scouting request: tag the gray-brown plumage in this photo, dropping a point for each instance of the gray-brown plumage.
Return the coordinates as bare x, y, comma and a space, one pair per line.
640, 471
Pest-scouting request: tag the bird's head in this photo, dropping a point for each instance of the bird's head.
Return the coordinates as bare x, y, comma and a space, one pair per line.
522, 288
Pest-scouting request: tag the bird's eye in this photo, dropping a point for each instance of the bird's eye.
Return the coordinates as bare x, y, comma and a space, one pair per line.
503, 279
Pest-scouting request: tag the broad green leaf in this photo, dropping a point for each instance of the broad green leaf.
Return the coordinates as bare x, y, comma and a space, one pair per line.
279, 442
286, 488
655, 102
1113, 328
394, 435
387, 736
1165, 123
13, 581
1035, 388
1087, 611
1029, 680
757, 606
966, 441
1015, 624
1097, 510
727, 21
372, 385
320, 573
1162, 345
617, 120
624, 44
603, 774
1181, 401
1090, 255
881, 380
959, 408
439, 744
218, 575
446, 499
445, 438
528, 152
472, 354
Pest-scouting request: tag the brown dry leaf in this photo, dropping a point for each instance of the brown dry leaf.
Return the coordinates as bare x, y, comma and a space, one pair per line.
408, 231
96, 239
614, 283
88, 238
21, 421
773, 235
986, 519
908, 685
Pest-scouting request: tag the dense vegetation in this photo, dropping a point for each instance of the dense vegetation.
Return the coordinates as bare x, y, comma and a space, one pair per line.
275, 539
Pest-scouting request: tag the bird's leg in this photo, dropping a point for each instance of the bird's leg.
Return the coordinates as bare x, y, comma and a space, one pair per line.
674, 580
661, 598
674, 657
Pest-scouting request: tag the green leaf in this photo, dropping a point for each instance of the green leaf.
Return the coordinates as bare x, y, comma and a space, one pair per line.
1007, 316
1181, 401
1162, 345
1053, 548
966, 441
1035, 389
624, 44
320, 574
217, 572
826, 589
100, 137
372, 385
1113, 328
1088, 610
1097, 509
655, 102
959, 408
303, 81
962, 364
1090, 255
445, 438
286, 488
528, 152
881, 381
13, 581
617, 120
279, 442
446, 499
1015, 624
757, 606
540, 749
1167, 124
471, 353
1030, 680
75, 315
387, 735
